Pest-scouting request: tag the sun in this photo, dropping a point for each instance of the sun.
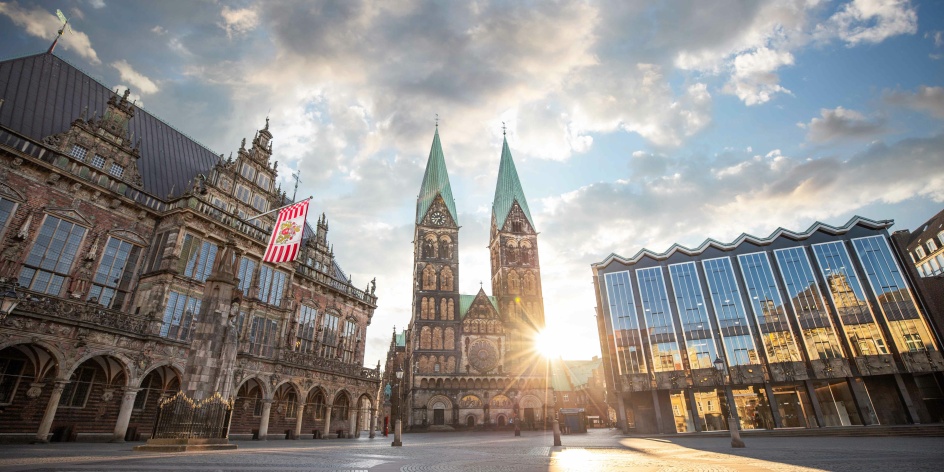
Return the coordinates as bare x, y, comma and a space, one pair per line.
546, 343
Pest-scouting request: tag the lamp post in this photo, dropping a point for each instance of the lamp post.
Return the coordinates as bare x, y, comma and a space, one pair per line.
9, 299
396, 429
732, 421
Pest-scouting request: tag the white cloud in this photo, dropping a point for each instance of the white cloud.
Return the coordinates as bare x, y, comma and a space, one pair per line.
238, 21
841, 123
138, 81
159, 30
754, 80
929, 100
871, 21
44, 24
97, 3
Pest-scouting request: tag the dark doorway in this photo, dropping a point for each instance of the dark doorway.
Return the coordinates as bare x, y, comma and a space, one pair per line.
529, 417
470, 421
439, 417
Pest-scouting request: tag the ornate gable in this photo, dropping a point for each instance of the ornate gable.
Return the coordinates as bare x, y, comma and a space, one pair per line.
11, 193
129, 236
70, 214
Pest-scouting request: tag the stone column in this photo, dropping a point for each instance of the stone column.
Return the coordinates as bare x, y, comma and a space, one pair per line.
327, 426
124, 414
906, 400
300, 416
817, 409
772, 403
264, 421
373, 422
693, 407
42, 436
352, 424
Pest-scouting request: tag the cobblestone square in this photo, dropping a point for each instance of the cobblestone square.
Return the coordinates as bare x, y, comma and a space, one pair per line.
599, 450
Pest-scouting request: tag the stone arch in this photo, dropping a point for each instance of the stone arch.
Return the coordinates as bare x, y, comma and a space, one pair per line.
425, 338
439, 383
422, 365
437, 338
443, 309
452, 309
530, 401
449, 338
470, 401
424, 383
530, 283
462, 384
341, 406
365, 403
442, 401
445, 279
447, 384
514, 282
115, 366
429, 277
445, 247
45, 358
429, 246
424, 306
286, 399
451, 364
511, 251
470, 420
251, 395
501, 420
316, 404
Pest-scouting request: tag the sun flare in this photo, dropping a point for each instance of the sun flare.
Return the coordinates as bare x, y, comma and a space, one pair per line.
546, 343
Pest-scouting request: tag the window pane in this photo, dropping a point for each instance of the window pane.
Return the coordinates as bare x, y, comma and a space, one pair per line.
769, 312
657, 315
732, 319
696, 328
51, 257
808, 304
627, 337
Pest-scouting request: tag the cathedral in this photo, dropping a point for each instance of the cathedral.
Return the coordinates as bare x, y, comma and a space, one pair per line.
468, 359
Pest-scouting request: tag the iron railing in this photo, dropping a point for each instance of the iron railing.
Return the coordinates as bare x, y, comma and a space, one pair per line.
180, 417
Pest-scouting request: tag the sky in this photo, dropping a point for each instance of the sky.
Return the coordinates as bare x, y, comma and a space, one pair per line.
632, 124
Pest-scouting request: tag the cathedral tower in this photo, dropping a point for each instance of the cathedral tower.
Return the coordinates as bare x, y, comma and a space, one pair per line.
435, 322
516, 271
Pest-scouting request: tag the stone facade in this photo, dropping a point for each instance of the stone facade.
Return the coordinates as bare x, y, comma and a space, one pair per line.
469, 360
128, 296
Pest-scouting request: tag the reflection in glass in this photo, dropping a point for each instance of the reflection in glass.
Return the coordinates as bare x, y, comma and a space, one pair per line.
696, 329
712, 408
768, 308
627, 340
794, 406
732, 321
863, 334
683, 419
753, 409
905, 321
658, 317
836, 403
808, 304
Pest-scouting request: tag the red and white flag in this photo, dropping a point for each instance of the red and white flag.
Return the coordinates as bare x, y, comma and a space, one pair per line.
287, 234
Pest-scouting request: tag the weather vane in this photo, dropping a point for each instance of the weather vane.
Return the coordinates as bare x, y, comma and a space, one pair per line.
437, 120
503, 128
62, 29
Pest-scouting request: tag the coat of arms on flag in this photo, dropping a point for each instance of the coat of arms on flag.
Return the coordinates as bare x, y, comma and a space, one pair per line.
287, 233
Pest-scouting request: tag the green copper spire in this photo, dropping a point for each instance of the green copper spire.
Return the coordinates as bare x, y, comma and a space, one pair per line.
508, 190
435, 182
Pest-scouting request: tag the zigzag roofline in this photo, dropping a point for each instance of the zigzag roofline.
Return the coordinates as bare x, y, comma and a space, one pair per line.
744, 237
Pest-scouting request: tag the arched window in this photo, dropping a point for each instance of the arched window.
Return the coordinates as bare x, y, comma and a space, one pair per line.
425, 341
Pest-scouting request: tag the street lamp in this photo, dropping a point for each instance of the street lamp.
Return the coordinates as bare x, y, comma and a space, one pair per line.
9, 299
732, 422
396, 429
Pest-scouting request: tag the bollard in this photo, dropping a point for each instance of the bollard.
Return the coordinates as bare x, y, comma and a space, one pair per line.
556, 427
735, 434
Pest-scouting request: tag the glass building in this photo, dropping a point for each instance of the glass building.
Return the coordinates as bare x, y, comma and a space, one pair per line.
796, 330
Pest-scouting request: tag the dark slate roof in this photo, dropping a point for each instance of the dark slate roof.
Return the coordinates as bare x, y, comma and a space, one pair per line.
43, 94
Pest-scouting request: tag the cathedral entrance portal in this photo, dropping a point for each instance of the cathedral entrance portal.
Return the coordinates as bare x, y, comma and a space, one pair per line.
470, 421
439, 416
529, 417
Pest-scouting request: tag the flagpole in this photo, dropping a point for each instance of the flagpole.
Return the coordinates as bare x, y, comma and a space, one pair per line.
277, 209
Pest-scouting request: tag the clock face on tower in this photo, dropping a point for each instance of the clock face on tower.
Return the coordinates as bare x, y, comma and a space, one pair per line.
437, 218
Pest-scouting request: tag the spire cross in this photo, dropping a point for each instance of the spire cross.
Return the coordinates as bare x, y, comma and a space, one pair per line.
503, 128
437, 120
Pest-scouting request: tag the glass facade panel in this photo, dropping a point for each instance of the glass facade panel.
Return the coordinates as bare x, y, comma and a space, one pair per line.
112, 280
683, 417
732, 320
712, 409
247, 267
808, 304
627, 339
753, 409
696, 327
658, 317
769, 311
329, 336
50, 259
271, 285
262, 335
836, 403
862, 332
794, 406
180, 315
906, 323
305, 339
349, 341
